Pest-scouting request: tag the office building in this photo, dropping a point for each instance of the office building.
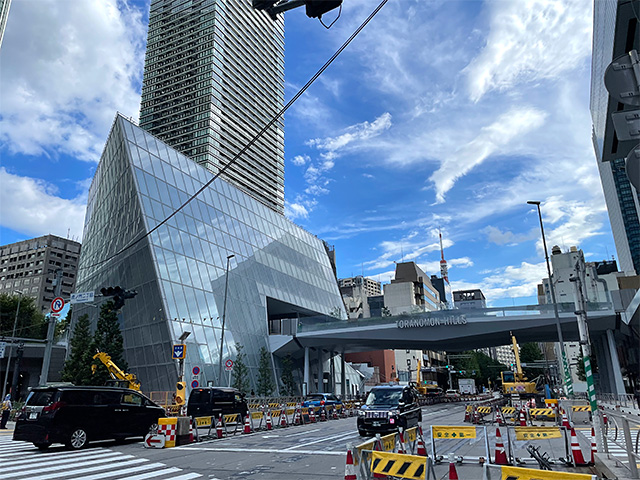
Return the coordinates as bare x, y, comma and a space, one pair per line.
615, 33
273, 268
469, 299
30, 267
213, 78
5, 5
410, 291
355, 292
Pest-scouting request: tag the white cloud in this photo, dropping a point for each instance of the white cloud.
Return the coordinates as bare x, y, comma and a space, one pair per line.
493, 139
67, 67
294, 211
300, 160
507, 237
528, 42
30, 206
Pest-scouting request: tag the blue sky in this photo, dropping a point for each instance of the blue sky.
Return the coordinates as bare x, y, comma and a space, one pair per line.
441, 114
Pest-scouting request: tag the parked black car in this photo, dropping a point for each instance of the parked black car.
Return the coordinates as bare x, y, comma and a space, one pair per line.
207, 401
77, 415
388, 408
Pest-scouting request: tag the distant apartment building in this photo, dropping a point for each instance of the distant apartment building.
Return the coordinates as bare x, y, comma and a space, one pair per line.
410, 291
30, 267
470, 299
355, 292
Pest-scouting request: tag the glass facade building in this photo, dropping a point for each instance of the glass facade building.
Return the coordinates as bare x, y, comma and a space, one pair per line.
213, 78
615, 32
179, 269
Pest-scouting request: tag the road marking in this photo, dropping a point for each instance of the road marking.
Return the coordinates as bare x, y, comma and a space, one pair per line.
260, 450
302, 433
44, 460
320, 440
97, 468
124, 473
62, 467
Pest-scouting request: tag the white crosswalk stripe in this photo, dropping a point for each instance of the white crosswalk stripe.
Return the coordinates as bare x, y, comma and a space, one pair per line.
22, 461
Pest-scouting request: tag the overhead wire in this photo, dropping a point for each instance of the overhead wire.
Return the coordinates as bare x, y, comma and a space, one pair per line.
250, 143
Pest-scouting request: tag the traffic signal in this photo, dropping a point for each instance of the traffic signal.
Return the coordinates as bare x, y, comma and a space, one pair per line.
119, 295
317, 8
181, 392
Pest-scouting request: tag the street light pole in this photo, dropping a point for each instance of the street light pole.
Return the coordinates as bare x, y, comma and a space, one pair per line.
565, 365
224, 315
13, 336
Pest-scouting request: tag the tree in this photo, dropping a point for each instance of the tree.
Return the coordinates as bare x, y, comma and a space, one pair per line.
31, 322
288, 383
77, 368
265, 379
385, 312
530, 353
108, 339
240, 371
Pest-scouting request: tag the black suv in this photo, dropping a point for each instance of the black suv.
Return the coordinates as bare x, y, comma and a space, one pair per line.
389, 408
207, 401
76, 415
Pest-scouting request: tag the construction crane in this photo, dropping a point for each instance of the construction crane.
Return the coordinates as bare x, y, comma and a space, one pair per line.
515, 383
118, 377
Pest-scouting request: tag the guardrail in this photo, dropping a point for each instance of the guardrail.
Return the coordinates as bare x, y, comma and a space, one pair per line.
623, 438
625, 400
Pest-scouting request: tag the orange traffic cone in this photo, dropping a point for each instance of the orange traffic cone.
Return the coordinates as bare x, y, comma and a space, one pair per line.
565, 420
499, 417
312, 415
523, 418
578, 459
247, 425
269, 422
421, 449
323, 415
467, 416
594, 448
296, 418
401, 442
219, 427
283, 418
501, 455
349, 468
476, 416
453, 474
377, 446
335, 413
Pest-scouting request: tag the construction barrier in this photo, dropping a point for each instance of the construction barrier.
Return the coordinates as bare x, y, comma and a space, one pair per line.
456, 432
580, 414
542, 414
521, 450
401, 465
168, 427
499, 472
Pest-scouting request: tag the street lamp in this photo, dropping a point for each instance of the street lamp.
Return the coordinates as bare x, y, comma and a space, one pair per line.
13, 336
224, 314
565, 368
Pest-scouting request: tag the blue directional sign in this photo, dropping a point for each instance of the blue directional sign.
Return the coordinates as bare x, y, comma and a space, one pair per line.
179, 351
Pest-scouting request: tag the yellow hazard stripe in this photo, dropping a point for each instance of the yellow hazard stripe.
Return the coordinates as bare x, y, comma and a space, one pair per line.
580, 408
535, 474
231, 417
469, 408
508, 410
276, 413
484, 409
399, 465
548, 412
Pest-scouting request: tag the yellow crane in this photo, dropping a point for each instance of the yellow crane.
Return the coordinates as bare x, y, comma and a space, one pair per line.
516, 382
118, 377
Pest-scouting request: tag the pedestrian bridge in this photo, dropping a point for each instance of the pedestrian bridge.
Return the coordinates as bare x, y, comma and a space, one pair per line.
448, 330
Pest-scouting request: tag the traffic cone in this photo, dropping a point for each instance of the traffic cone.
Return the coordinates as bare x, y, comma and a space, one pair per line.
349, 468
421, 449
523, 418
565, 420
335, 413
312, 415
453, 474
219, 427
377, 446
594, 448
578, 459
476, 416
501, 455
323, 415
467, 416
283, 418
247, 425
401, 442
296, 418
269, 422
499, 417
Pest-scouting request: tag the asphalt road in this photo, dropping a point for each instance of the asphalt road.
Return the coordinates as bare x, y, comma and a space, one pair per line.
312, 451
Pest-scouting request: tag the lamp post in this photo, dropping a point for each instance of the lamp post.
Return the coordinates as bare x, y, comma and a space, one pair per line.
224, 315
13, 336
565, 365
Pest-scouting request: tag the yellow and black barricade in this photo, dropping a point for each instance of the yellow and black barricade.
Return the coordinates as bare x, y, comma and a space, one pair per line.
259, 417
503, 472
231, 420
580, 414
401, 465
203, 422
456, 432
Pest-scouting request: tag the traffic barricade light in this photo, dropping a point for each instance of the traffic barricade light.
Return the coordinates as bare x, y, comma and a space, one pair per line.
181, 392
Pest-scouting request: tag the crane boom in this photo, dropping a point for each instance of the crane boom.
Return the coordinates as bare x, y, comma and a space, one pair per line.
516, 352
118, 376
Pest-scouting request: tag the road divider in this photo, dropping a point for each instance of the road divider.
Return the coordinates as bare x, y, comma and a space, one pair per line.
501, 472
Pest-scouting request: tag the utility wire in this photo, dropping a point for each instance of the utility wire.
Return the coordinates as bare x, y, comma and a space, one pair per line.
253, 140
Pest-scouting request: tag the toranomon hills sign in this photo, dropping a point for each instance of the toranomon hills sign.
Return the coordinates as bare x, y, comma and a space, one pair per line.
428, 321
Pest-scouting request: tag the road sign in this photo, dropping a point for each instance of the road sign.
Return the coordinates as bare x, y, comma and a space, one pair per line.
57, 305
195, 384
3, 346
228, 365
179, 351
195, 370
154, 441
82, 297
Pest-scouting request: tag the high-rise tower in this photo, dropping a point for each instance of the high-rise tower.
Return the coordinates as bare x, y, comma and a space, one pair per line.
213, 77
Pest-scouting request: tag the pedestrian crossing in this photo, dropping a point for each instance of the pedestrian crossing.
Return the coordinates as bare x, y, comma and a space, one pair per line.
614, 443
21, 460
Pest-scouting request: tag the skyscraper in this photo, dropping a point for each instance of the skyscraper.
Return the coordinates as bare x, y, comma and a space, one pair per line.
615, 32
213, 77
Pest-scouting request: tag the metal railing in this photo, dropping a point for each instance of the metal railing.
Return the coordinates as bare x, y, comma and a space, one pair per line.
625, 400
618, 432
